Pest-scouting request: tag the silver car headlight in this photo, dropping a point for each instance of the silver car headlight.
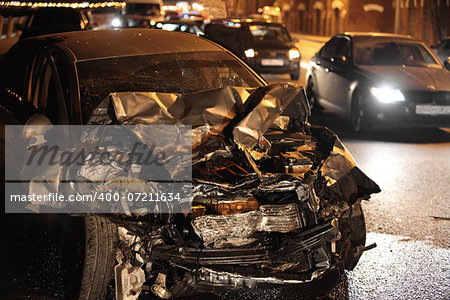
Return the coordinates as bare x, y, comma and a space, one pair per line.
387, 94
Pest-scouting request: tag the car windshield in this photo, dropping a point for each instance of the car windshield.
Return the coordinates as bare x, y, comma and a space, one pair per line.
169, 72
269, 33
392, 52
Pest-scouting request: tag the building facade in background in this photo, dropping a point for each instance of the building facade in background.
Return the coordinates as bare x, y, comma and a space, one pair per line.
427, 20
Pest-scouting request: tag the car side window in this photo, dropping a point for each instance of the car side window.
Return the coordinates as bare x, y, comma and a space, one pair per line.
329, 50
338, 46
344, 47
45, 90
62, 69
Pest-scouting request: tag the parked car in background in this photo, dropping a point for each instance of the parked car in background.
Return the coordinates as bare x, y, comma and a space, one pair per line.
179, 25
273, 202
380, 80
47, 20
106, 18
443, 50
267, 47
140, 13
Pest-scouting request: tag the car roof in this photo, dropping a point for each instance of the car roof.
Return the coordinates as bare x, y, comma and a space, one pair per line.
98, 44
377, 34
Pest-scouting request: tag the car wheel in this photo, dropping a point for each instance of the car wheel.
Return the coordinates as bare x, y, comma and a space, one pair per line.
295, 76
99, 258
359, 114
312, 99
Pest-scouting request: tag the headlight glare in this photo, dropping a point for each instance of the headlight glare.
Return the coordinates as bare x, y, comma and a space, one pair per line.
249, 52
294, 53
387, 94
116, 22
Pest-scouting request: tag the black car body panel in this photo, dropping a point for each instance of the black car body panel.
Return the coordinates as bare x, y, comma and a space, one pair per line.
270, 55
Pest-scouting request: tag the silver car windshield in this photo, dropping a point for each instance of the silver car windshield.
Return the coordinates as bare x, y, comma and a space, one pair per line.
392, 52
169, 72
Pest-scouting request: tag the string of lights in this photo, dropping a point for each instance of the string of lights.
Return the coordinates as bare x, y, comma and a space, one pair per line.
61, 4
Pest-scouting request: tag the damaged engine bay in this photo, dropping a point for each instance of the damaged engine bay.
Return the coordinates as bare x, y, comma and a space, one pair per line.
275, 200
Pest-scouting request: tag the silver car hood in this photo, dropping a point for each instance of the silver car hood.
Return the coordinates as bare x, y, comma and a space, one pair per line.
410, 78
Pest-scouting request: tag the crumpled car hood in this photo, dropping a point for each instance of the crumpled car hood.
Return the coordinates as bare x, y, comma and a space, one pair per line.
248, 112
244, 116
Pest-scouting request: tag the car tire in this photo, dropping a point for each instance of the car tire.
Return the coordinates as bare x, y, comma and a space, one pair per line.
312, 99
100, 251
359, 114
295, 76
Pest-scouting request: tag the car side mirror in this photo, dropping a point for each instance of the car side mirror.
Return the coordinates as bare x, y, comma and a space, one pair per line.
447, 63
37, 125
340, 59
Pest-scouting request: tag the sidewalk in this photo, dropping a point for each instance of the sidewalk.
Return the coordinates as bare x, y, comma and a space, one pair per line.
311, 38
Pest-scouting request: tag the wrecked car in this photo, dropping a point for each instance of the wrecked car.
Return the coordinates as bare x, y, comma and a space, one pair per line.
272, 199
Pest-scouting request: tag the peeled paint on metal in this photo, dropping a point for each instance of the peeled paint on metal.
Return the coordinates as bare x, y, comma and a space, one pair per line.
276, 98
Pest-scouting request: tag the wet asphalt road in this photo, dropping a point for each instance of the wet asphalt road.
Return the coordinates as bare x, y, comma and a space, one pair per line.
410, 219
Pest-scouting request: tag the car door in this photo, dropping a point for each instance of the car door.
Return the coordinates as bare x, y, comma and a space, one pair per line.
339, 75
321, 72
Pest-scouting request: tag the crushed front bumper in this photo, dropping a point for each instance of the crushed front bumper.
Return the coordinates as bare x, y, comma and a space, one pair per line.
404, 115
293, 258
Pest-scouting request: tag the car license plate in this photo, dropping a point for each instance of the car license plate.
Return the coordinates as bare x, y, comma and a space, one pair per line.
272, 62
432, 110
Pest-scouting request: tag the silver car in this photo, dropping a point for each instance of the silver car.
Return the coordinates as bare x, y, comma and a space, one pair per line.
380, 80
